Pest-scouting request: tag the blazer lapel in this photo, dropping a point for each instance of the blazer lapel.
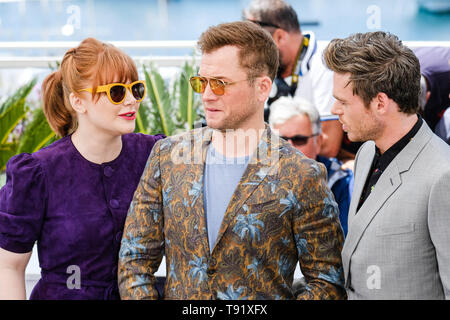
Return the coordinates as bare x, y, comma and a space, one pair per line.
263, 162
388, 183
194, 171
361, 175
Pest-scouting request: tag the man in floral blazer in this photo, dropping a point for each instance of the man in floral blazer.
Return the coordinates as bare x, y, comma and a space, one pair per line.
280, 210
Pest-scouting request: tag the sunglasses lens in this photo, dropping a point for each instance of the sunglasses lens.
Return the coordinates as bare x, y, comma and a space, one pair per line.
198, 84
217, 86
117, 93
138, 91
299, 141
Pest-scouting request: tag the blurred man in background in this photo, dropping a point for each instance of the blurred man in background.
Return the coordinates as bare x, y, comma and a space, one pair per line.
301, 72
298, 122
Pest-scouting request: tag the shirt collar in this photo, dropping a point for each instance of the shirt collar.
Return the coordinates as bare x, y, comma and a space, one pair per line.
383, 160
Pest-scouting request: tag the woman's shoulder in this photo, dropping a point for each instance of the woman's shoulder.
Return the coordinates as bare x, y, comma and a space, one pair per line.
35, 159
55, 150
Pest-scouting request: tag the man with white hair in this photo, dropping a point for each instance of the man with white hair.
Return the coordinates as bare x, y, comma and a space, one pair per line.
298, 122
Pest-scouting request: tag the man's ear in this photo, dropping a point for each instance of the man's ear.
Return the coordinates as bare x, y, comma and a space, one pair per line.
279, 37
264, 85
77, 103
381, 103
319, 140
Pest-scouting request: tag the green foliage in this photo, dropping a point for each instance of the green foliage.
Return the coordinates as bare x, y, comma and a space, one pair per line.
12, 112
22, 129
161, 100
172, 109
37, 134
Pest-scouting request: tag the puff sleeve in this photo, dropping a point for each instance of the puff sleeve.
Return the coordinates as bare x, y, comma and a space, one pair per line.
22, 204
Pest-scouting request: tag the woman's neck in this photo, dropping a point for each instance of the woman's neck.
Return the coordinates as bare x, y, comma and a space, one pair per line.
98, 148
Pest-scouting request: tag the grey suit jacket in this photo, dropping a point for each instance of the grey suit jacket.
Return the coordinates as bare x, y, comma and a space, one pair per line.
398, 243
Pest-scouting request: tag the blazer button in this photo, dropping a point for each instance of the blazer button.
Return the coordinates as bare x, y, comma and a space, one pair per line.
108, 171
210, 272
114, 203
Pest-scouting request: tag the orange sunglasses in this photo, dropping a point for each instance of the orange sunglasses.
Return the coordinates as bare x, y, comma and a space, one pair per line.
199, 84
117, 92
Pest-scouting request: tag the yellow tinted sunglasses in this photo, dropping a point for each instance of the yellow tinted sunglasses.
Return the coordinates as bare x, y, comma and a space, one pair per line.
199, 83
117, 92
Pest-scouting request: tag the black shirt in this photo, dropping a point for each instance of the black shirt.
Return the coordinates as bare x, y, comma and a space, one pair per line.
381, 161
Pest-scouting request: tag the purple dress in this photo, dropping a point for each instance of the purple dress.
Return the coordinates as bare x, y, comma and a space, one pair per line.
75, 210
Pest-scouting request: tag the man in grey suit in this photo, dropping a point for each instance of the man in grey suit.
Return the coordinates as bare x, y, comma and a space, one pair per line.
398, 242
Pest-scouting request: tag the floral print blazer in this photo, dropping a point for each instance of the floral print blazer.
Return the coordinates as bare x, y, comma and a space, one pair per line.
281, 213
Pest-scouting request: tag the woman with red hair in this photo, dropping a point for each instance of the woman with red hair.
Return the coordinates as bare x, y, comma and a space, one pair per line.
72, 197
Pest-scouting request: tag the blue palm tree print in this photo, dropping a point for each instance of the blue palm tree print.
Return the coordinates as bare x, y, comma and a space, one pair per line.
157, 174
167, 197
301, 245
172, 271
231, 294
155, 213
165, 144
284, 265
290, 202
253, 267
316, 168
248, 224
198, 269
262, 173
333, 276
196, 190
141, 283
130, 247
330, 208
285, 241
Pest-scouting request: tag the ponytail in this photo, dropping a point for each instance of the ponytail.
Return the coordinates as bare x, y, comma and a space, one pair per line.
56, 111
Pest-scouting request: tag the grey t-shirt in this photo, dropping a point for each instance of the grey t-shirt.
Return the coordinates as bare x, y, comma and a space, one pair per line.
221, 178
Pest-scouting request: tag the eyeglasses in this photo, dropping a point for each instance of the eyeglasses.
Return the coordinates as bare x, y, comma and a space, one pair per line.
299, 140
217, 86
117, 92
265, 24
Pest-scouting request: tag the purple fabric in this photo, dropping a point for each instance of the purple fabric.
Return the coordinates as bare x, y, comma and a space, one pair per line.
75, 210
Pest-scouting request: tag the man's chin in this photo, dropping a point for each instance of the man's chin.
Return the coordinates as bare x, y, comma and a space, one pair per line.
353, 138
213, 124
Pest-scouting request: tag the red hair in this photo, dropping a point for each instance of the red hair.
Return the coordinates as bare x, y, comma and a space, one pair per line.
91, 64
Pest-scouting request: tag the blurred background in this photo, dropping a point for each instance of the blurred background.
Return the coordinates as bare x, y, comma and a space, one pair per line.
26, 26
57, 20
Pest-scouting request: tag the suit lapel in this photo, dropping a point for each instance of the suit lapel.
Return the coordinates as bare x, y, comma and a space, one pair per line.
361, 175
263, 162
194, 171
386, 186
